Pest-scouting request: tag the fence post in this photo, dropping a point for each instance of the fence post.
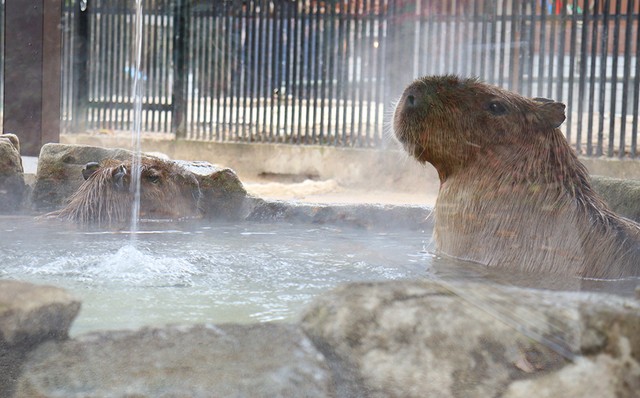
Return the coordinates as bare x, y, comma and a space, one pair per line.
32, 72
180, 11
81, 67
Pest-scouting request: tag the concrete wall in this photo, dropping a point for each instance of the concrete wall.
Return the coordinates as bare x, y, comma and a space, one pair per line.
379, 169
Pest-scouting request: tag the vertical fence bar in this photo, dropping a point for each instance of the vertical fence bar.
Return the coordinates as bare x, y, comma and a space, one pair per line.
553, 51
542, 48
626, 76
179, 57
604, 44
81, 69
323, 76
330, 72
563, 22
218, 78
572, 56
299, 65
206, 95
614, 79
592, 77
503, 44
636, 96
274, 78
232, 61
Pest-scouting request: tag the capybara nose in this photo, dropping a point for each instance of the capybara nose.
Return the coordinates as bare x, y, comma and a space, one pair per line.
119, 178
412, 98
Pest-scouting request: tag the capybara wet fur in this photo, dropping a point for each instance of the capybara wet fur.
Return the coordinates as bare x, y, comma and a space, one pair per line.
167, 192
513, 193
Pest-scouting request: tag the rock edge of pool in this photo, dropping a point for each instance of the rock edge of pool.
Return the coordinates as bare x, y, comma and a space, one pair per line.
401, 338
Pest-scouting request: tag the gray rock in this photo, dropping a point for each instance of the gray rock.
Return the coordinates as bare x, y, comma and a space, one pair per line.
622, 196
360, 215
223, 195
427, 339
264, 360
12, 185
29, 315
60, 171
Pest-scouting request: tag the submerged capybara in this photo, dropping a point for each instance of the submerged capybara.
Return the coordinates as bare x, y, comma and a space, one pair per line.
513, 193
167, 192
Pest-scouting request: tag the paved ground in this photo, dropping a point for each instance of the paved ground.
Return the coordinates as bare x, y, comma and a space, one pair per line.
330, 192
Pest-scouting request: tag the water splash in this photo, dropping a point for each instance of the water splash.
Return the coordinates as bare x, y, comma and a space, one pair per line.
137, 93
136, 267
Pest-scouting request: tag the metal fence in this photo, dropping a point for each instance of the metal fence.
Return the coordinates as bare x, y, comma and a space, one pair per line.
327, 72
583, 53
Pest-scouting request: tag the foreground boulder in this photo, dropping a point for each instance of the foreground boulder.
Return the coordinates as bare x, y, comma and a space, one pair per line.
420, 339
265, 360
12, 185
29, 315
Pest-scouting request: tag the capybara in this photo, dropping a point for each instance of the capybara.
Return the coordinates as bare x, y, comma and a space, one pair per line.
167, 191
513, 193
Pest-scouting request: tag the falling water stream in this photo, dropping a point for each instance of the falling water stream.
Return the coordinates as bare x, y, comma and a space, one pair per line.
137, 92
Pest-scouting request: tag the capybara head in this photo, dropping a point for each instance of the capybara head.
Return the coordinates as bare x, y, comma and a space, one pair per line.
448, 121
167, 191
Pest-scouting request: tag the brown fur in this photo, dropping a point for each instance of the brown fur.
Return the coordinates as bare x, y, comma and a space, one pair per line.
167, 191
513, 193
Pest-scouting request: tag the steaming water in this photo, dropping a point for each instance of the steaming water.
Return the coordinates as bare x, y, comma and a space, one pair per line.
202, 273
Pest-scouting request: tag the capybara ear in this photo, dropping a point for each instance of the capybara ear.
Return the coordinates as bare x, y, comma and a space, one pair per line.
89, 169
552, 113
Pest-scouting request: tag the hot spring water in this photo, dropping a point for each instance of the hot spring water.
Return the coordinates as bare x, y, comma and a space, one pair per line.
210, 273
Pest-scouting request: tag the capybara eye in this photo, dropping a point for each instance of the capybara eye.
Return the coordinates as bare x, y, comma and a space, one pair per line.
153, 178
497, 108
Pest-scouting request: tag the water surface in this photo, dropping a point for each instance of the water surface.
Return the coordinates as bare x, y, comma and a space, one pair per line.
202, 273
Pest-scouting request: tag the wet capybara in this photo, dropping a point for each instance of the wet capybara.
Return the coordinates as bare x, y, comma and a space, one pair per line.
513, 193
167, 192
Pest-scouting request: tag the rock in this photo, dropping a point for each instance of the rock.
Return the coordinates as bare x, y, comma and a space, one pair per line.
360, 215
60, 171
622, 196
263, 360
223, 195
12, 186
29, 315
420, 339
